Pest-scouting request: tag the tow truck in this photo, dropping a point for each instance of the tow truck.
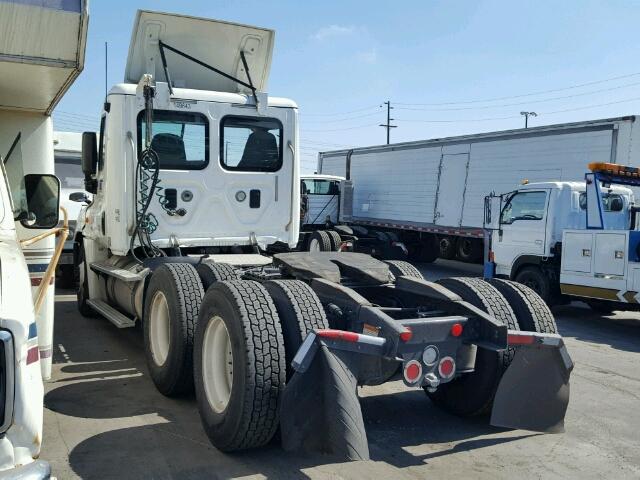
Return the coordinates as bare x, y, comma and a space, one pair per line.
570, 240
194, 174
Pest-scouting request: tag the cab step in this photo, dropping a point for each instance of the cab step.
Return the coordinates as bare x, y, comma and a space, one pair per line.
111, 314
119, 273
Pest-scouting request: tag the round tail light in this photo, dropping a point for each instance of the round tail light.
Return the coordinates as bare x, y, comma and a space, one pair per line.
412, 371
447, 367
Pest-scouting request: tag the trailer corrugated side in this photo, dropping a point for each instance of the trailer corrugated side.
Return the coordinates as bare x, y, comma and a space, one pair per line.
439, 185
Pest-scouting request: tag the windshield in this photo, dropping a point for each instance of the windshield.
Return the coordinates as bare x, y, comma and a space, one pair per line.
69, 171
320, 187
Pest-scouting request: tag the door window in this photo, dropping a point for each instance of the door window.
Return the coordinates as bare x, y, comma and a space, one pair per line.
524, 206
251, 144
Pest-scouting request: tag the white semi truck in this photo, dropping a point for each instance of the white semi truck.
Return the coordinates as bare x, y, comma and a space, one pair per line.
559, 240
194, 175
37, 66
423, 192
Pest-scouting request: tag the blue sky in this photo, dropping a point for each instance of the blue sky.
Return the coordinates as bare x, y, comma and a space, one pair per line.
449, 67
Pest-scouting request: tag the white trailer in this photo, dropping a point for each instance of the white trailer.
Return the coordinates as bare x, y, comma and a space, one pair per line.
437, 187
41, 53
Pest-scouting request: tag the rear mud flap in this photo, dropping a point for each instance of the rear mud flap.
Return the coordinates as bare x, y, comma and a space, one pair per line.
534, 391
320, 411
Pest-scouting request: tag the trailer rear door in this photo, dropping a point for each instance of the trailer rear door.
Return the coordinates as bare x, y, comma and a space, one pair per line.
453, 174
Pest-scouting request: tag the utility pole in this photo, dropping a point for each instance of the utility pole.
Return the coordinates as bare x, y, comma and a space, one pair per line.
388, 125
526, 117
106, 68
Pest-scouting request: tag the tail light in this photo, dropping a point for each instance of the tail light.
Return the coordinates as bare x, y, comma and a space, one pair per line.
447, 367
412, 371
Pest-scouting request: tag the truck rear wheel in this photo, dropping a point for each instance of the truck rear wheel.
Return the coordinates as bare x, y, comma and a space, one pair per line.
172, 303
532, 313
239, 365
469, 249
534, 278
447, 247
211, 273
300, 312
472, 394
401, 268
319, 242
335, 239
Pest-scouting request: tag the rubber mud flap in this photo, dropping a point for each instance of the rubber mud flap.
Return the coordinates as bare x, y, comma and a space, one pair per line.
320, 411
534, 391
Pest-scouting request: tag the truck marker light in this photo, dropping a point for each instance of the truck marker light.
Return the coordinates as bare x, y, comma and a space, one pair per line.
412, 371
32, 355
406, 335
447, 367
456, 329
430, 355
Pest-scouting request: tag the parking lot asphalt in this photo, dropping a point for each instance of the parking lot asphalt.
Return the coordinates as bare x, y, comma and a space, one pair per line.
104, 419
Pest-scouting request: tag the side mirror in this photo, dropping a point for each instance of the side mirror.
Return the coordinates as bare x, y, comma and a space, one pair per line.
89, 159
79, 197
42, 192
492, 212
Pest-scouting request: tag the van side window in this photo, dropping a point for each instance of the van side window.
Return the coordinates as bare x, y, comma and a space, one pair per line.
524, 206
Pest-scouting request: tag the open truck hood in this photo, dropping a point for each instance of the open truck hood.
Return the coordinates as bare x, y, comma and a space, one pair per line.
213, 42
41, 51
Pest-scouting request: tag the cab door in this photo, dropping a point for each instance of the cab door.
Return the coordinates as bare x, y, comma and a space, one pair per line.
523, 227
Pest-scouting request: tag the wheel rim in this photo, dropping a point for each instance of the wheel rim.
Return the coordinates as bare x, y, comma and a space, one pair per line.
217, 364
159, 331
466, 247
314, 245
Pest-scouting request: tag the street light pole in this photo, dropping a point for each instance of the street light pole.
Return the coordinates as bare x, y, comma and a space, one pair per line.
526, 117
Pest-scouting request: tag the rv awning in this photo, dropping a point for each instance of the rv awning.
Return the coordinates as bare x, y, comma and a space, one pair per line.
213, 42
42, 45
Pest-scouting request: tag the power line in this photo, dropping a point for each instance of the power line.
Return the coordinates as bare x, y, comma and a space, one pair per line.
523, 103
540, 92
340, 129
333, 120
364, 109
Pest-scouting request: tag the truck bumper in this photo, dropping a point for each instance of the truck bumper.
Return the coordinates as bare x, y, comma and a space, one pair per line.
37, 470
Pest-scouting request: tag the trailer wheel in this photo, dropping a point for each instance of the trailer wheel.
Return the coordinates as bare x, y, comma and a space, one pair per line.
401, 268
172, 303
211, 272
534, 278
334, 238
532, 313
469, 249
472, 394
319, 242
82, 292
447, 247
300, 312
239, 365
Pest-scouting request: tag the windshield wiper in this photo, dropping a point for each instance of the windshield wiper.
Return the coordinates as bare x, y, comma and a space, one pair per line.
207, 66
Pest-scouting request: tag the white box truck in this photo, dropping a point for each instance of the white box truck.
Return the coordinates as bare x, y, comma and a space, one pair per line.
435, 189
